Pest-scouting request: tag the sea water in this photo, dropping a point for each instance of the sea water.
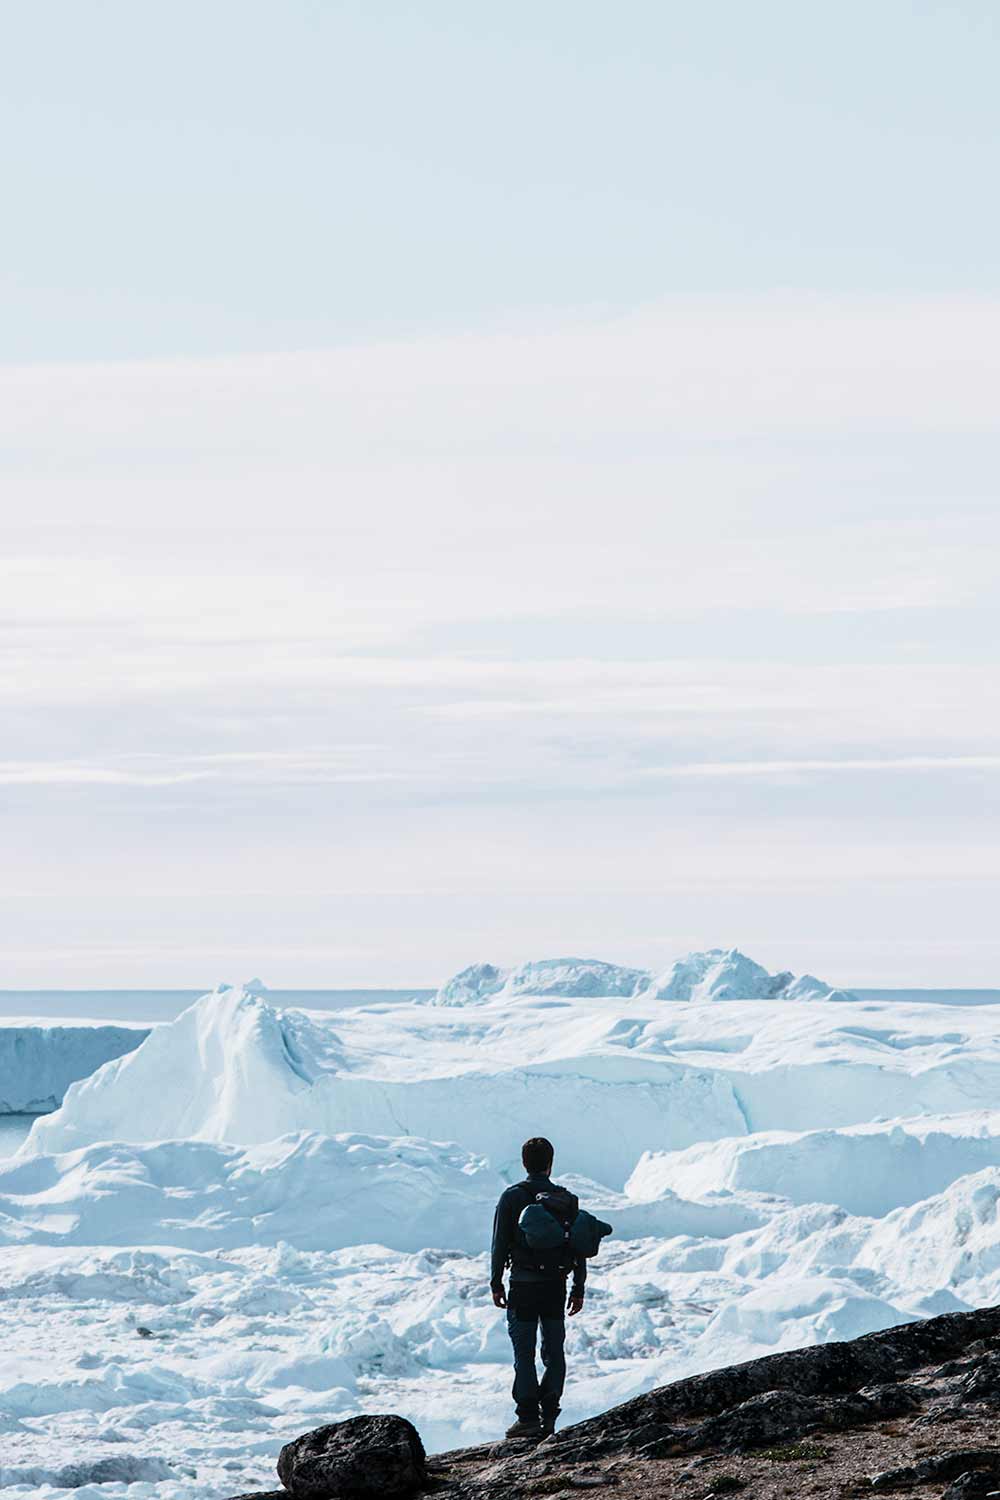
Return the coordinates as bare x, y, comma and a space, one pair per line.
165, 1005
13, 1130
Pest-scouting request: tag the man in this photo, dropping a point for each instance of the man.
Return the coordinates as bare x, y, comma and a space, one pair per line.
537, 1297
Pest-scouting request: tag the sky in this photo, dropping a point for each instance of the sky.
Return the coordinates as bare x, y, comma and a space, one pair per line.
494, 483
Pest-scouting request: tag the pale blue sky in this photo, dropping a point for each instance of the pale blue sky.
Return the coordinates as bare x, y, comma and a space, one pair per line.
235, 175
487, 482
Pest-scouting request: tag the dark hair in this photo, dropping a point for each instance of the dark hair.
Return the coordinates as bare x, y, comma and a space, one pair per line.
537, 1154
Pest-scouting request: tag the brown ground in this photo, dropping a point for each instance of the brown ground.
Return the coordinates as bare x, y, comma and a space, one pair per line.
832, 1465
821, 1464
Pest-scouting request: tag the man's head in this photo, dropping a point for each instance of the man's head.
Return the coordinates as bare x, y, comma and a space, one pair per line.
537, 1154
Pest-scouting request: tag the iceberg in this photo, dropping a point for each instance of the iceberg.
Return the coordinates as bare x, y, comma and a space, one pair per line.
728, 974
716, 974
230, 1067
476, 983
575, 978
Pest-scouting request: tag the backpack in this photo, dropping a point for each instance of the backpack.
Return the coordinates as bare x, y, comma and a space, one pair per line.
556, 1232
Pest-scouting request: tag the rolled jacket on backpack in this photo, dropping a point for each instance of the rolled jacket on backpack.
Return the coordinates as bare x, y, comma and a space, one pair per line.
587, 1232
541, 1229
555, 1221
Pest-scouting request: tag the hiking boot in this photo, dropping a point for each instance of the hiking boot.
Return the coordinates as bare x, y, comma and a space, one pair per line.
549, 1421
525, 1427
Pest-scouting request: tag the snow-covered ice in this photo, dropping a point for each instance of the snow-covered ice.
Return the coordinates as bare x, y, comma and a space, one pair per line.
260, 1220
868, 1169
312, 1191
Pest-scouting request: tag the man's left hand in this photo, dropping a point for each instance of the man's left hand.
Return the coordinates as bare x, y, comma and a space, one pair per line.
575, 1303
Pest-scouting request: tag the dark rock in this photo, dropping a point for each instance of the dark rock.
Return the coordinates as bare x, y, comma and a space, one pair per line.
940, 1415
783, 1416
974, 1484
365, 1456
772, 1417
942, 1466
982, 1382
893, 1400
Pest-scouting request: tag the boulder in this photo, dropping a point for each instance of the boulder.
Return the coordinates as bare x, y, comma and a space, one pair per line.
364, 1456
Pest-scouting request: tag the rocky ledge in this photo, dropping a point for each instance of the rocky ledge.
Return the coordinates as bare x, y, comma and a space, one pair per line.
912, 1410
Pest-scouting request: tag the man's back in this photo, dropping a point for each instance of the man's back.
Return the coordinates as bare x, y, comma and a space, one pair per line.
537, 1297
509, 1247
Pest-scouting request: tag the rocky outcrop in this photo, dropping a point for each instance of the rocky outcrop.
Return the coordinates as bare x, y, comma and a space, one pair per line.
820, 1378
869, 1415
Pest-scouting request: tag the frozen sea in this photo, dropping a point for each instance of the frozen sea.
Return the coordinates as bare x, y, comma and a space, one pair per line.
273, 1212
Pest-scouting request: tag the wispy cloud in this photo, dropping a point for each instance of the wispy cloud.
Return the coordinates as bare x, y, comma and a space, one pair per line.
742, 768
263, 767
40, 774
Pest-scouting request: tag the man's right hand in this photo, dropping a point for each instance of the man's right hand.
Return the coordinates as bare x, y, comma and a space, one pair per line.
499, 1297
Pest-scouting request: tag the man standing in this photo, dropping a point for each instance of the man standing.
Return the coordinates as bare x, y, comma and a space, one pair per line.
537, 1296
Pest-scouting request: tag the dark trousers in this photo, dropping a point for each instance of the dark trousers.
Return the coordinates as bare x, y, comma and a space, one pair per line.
528, 1311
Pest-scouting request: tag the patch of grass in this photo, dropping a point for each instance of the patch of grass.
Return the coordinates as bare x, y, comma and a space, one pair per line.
789, 1453
725, 1484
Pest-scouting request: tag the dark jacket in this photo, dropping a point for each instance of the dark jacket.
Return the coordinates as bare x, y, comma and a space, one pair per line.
508, 1211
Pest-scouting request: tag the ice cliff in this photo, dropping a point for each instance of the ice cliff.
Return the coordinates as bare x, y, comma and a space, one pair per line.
39, 1060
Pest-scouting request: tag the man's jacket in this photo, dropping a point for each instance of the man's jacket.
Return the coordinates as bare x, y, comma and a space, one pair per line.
512, 1201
